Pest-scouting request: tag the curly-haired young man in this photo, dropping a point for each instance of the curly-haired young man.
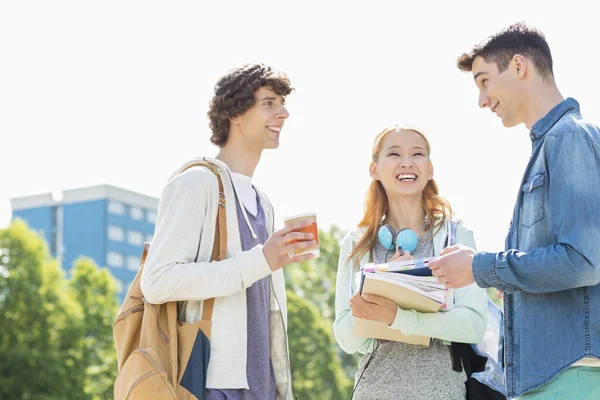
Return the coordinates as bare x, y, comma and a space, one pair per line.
249, 351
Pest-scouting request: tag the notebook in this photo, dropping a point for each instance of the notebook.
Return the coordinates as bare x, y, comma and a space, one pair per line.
420, 292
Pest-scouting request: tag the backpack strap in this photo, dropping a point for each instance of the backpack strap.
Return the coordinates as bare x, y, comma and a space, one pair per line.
219, 251
459, 351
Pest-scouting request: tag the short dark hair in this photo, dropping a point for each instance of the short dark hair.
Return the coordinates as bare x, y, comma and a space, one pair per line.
234, 95
518, 38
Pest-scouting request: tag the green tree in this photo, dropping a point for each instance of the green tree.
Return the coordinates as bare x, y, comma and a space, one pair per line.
38, 359
55, 334
95, 291
316, 368
315, 280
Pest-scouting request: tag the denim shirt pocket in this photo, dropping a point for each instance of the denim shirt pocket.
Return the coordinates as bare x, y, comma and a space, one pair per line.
533, 199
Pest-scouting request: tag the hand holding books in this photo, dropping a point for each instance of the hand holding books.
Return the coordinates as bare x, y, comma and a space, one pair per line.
373, 308
376, 308
407, 284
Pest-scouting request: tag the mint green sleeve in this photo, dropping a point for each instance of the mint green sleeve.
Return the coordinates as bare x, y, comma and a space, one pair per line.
343, 326
465, 323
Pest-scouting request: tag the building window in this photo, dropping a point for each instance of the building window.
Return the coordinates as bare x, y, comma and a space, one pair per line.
116, 233
136, 213
119, 285
135, 238
114, 259
114, 207
151, 217
133, 263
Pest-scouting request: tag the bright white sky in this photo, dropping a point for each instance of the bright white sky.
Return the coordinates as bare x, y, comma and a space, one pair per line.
116, 92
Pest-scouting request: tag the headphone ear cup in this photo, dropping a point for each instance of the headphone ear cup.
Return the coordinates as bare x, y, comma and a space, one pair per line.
387, 236
407, 239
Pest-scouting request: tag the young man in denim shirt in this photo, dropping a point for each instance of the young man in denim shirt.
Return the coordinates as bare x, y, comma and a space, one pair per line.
550, 271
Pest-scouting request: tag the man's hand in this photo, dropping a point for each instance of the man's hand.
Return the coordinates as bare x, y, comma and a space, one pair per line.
278, 247
374, 308
454, 267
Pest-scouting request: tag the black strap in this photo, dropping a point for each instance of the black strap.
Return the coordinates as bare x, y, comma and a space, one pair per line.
471, 361
456, 357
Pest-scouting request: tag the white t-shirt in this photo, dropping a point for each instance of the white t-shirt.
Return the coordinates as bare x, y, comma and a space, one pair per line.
245, 192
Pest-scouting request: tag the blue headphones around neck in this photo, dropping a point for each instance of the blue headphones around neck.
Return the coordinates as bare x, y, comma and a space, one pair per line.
405, 238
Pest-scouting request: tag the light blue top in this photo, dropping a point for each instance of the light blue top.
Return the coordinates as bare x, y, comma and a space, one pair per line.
466, 322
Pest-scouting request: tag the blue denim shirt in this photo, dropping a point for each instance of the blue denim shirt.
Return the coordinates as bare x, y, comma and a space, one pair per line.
550, 271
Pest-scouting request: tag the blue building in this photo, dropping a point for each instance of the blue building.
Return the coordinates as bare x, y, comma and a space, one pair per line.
105, 223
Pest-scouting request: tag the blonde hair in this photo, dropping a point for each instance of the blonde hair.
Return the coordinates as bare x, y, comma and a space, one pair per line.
437, 209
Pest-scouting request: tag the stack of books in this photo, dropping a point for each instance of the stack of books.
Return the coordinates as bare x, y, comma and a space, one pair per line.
411, 286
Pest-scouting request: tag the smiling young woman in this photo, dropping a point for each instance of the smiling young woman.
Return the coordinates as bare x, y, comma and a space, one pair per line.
403, 194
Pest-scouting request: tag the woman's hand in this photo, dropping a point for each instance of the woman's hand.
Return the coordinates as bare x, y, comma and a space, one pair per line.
401, 256
377, 308
374, 308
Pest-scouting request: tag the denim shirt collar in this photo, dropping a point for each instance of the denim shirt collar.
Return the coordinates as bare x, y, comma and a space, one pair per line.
540, 128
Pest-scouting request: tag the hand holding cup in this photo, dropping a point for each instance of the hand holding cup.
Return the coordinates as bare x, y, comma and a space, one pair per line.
289, 240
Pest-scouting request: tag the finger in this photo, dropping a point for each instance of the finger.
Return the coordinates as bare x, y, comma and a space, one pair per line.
293, 227
296, 259
300, 245
442, 280
298, 236
371, 298
357, 299
401, 255
395, 256
356, 311
362, 306
364, 314
435, 264
437, 272
450, 249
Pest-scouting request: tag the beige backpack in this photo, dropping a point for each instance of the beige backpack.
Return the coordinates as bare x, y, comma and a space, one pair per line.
158, 356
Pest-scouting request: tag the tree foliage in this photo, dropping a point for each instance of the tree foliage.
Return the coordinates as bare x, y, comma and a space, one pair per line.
316, 368
53, 343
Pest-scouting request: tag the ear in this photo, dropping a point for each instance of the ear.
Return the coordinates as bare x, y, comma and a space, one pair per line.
235, 120
373, 171
430, 171
520, 64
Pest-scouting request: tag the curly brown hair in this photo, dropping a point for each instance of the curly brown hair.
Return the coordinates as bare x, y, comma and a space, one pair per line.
518, 38
234, 95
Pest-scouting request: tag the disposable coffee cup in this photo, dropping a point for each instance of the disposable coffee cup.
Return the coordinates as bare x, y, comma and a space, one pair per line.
310, 229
